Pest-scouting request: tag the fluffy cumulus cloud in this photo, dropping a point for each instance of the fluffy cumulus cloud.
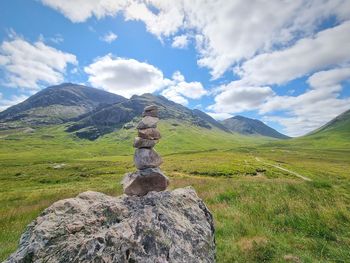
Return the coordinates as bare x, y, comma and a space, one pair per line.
123, 76
315, 107
227, 32
81, 10
129, 77
28, 65
237, 99
322, 102
109, 37
327, 48
180, 91
302, 114
180, 41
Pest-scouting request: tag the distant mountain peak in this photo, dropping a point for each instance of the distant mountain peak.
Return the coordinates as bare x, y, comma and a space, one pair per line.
248, 126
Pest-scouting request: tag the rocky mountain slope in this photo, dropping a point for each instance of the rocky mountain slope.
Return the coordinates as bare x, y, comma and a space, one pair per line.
126, 114
247, 126
57, 104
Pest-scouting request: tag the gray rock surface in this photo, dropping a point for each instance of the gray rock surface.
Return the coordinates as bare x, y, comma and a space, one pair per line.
144, 181
147, 158
150, 134
150, 108
147, 122
144, 143
159, 227
152, 113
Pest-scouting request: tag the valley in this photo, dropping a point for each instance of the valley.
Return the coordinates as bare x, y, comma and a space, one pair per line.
261, 213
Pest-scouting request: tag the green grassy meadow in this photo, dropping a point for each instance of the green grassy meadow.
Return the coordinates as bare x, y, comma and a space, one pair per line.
262, 214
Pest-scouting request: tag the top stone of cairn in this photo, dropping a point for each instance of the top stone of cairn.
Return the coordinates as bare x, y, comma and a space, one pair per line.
151, 110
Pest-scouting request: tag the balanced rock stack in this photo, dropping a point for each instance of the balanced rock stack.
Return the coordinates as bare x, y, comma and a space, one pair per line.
148, 177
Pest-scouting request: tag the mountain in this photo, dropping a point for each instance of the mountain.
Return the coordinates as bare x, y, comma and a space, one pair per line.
247, 126
57, 104
209, 119
90, 113
127, 113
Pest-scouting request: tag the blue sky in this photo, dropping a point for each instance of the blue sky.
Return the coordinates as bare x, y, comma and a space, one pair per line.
287, 64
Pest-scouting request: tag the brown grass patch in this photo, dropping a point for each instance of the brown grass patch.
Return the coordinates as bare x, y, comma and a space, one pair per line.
247, 244
292, 258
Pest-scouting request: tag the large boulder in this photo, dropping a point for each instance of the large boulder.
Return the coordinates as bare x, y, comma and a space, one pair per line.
159, 227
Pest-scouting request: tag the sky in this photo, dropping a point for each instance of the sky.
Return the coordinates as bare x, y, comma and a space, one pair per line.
286, 63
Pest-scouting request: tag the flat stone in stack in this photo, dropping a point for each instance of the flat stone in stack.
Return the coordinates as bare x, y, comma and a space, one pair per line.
151, 110
147, 122
144, 181
148, 177
144, 143
150, 134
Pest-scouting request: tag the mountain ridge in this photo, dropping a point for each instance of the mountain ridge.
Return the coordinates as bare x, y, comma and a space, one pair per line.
90, 113
57, 104
248, 126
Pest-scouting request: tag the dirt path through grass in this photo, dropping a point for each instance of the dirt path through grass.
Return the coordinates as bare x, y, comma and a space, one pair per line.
284, 169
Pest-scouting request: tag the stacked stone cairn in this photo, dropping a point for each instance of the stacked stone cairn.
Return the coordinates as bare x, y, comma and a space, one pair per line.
148, 177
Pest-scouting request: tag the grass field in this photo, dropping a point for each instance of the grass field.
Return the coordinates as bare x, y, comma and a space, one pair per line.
262, 214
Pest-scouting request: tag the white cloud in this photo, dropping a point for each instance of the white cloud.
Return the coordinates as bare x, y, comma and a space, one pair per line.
13, 100
180, 41
313, 108
227, 32
57, 39
129, 77
28, 65
327, 48
179, 90
233, 99
174, 96
125, 77
109, 38
329, 78
167, 19
81, 10
302, 114
220, 116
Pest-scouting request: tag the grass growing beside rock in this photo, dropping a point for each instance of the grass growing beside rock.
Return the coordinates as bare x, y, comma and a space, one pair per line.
262, 214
